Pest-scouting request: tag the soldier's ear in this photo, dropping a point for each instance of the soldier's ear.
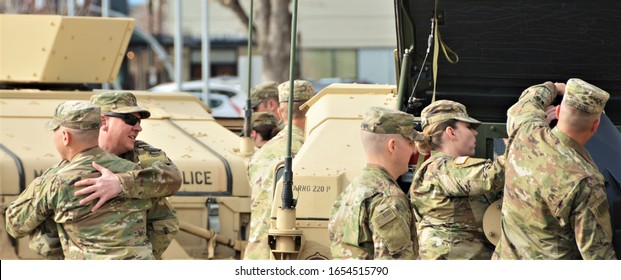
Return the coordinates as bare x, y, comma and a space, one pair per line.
67, 137
271, 104
392, 145
104, 123
450, 132
595, 125
281, 111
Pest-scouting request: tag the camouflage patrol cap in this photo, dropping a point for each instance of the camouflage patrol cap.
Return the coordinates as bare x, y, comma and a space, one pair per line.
442, 110
79, 115
119, 102
262, 91
584, 96
382, 120
263, 118
302, 91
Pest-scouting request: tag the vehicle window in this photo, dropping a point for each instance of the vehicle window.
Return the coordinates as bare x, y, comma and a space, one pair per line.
215, 103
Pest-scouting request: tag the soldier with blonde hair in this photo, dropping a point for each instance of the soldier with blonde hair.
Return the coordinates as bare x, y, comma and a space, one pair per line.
554, 204
372, 217
448, 191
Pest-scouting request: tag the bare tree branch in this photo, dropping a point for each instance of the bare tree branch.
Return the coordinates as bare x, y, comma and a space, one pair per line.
279, 35
272, 31
263, 13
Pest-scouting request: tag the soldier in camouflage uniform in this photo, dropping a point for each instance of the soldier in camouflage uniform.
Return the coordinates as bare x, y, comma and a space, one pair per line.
118, 230
449, 191
554, 205
157, 179
264, 128
264, 98
265, 160
44, 239
372, 218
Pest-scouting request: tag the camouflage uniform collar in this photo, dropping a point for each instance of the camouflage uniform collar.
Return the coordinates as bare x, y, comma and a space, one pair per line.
133, 154
88, 152
62, 163
295, 130
439, 154
373, 166
573, 144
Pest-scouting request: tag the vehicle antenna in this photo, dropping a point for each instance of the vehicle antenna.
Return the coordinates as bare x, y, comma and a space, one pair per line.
247, 145
287, 192
286, 237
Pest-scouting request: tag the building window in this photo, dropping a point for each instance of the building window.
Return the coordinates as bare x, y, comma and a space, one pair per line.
335, 63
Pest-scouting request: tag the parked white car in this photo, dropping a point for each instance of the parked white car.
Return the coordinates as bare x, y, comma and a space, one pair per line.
226, 99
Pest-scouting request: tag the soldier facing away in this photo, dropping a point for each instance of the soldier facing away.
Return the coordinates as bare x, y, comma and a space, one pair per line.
372, 218
263, 163
449, 191
554, 204
118, 230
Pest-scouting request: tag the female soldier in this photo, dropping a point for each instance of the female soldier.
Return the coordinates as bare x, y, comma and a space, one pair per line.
448, 190
264, 127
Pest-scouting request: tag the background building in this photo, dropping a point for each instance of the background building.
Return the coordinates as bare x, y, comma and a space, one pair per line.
350, 40
339, 40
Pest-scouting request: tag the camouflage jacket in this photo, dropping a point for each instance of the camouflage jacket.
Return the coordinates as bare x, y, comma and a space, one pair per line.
158, 178
116, 231
449, 199
261, 179
44, 239
372, 219
554, 203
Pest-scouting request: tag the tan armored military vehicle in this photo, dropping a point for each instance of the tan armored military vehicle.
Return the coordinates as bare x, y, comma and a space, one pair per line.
38, 72
57, 57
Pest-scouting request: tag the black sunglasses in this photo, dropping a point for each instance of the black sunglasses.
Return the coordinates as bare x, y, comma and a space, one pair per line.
127, 118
